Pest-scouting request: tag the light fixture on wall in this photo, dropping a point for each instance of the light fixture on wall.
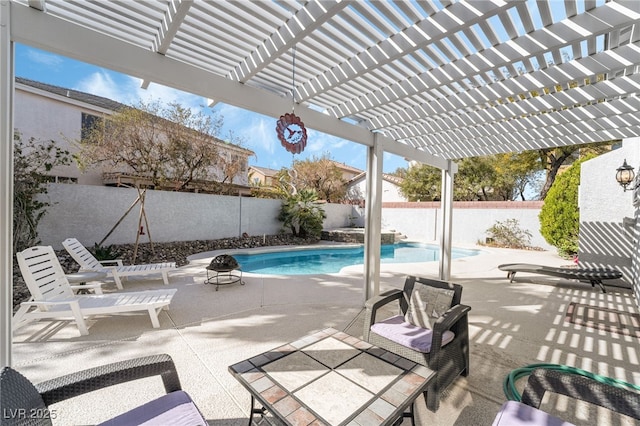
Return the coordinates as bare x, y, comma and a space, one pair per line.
625, 177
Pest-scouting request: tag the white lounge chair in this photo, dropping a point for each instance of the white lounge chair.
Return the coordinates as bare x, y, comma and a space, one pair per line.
52, 296
114, 268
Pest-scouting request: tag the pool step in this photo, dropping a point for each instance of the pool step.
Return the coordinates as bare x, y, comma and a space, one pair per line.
356, 235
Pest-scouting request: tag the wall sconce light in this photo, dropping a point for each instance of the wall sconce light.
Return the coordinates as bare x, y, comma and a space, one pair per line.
625, 176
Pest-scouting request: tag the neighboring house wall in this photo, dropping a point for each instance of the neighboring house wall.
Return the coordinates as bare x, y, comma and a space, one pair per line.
608, 219
44, 115
357, 190
262, 176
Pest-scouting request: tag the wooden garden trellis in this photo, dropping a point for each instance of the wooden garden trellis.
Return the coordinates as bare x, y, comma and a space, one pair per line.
142, 215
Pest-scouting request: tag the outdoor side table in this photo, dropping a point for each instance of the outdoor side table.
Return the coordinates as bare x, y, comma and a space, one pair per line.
223, 269
82, 277
332, 378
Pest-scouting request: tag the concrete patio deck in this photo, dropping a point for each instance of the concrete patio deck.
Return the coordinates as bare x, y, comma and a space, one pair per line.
205, 331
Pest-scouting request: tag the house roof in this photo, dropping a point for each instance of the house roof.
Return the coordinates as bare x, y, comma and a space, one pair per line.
87, 98
385, 176
265, 171
430, 81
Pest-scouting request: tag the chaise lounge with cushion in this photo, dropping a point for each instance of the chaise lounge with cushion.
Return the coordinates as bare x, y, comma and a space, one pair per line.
431, 328
590, 275
114, 268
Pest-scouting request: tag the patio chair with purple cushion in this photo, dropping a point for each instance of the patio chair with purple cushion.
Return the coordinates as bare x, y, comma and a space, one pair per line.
24, 403
590, 390
431, 329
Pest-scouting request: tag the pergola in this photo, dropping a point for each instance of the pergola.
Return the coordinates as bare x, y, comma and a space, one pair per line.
432, 81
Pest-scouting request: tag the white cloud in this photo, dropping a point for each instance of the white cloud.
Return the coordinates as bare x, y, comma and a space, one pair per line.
103, 84
49, 60
257, 130
128, 90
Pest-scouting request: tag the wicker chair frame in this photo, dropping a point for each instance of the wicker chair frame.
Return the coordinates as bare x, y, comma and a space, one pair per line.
27, 404
447, 361
586, 389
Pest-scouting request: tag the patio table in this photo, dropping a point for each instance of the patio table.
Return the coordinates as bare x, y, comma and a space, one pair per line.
82, 277
332, 378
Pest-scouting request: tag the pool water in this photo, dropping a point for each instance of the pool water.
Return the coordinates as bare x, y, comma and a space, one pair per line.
331, 259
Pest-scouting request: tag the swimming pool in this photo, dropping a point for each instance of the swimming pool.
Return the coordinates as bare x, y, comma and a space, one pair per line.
329, 260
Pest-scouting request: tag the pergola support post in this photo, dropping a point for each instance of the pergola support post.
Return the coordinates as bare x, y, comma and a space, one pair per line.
373, 220
6, 182
446, 210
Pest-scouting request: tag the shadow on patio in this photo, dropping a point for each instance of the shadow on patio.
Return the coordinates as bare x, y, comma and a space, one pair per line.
511, 326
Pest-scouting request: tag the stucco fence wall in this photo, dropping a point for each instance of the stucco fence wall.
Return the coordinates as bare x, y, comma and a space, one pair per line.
89, 212
422, 220
609, 227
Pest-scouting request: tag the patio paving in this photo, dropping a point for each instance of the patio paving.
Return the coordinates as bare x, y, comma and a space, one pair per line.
511, 325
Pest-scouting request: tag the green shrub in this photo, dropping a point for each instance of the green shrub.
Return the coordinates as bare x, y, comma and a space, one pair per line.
302, 214
509, 234
559, 216
104, 252
32, 160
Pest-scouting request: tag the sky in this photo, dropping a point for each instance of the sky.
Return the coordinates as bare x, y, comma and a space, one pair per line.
257, 130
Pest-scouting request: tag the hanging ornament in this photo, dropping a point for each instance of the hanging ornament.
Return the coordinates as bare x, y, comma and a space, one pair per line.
290, 129
292, 133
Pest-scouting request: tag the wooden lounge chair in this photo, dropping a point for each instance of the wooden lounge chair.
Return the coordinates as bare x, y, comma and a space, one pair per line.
114, 268
589, 275
52, 296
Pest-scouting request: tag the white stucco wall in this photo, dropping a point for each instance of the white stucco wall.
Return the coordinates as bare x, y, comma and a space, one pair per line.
469, 224
606, 238
45, 118
89, 212
390, 191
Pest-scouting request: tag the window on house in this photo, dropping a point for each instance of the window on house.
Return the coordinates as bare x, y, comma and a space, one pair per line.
88, 122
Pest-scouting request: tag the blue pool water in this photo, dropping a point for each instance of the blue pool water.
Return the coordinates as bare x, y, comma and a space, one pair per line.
331, 259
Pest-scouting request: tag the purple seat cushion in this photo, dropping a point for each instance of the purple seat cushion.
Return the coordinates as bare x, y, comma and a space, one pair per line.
175, 408
515, 413
398, 330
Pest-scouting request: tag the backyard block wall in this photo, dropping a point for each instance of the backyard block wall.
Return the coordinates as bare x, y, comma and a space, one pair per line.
89, 212
422, 220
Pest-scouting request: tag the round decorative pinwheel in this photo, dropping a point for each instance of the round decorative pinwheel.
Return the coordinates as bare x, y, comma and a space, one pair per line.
292, 133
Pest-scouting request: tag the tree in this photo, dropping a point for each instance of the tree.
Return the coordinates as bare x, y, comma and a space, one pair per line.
31, 161
421, 183
560, 216
554, 158
303, 214
170, 146
319, 174
496, 177
475, 180
515, 172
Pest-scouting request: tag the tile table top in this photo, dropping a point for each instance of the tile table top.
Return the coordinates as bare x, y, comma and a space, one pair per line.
332, 378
